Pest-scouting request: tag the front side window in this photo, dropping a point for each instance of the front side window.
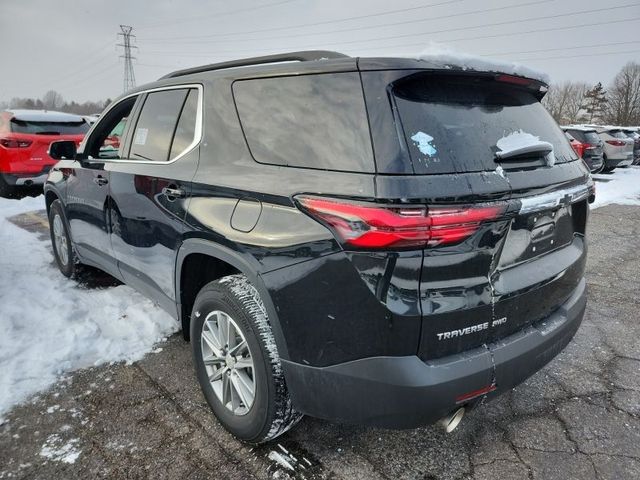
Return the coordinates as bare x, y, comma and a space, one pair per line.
153, 134
106, 139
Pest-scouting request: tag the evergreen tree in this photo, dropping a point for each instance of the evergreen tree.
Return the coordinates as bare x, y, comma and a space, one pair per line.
595, 100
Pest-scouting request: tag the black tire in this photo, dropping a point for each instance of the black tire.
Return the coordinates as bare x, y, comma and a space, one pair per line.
271, 413
70, 268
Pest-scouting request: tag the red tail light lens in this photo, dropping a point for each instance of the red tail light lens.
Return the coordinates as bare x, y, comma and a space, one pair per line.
514, 80
616, 143
382, 226
14, 143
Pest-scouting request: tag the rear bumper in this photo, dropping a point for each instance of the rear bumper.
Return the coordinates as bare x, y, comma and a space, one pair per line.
619, 162
405, 392
25, 179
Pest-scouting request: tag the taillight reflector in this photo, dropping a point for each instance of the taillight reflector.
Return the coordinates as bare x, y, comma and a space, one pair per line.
514, 80
14, 143
476, 393
381, 226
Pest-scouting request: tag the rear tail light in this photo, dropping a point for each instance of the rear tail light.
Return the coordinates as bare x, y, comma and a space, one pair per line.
381, 226
589, 146
616, 143
515, 80
14, 143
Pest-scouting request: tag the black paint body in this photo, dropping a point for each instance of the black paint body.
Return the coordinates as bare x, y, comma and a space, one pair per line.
348, 323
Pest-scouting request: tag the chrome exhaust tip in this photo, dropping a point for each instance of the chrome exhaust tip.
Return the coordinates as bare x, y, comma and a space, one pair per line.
451, 421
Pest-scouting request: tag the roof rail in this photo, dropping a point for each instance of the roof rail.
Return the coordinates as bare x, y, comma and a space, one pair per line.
302, 56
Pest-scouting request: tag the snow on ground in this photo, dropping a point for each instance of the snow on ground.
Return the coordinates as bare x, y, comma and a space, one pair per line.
621, 187
50, 325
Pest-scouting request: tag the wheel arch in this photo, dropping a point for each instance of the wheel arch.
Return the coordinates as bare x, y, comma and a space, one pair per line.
239, 264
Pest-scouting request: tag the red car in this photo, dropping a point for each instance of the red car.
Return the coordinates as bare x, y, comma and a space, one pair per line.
25, 136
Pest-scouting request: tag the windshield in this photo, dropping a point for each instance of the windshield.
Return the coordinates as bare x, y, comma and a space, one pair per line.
454, 124
49, 128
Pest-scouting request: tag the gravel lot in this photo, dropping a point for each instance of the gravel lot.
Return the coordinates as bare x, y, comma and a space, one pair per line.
578, 418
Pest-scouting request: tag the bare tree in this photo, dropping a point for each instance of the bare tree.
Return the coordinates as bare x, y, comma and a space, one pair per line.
52, 100
624, 97
564, 101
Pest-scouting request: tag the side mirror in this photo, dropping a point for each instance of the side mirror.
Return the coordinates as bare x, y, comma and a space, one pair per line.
63, 150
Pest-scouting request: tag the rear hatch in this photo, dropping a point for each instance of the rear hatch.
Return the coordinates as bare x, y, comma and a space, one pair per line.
476, 140
28, 141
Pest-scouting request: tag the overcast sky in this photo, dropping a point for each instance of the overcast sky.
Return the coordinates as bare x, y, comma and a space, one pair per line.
70, 46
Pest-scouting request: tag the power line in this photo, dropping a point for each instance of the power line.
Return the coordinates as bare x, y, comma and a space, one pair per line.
624, 52
314, 24
394, 24
431, 32
129, 80
596, 45
218, 14
540, 30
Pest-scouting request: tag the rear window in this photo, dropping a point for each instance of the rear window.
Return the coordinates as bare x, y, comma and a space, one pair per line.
49, 128
311, 121
592, 137
618, 134
453, 124
585, 137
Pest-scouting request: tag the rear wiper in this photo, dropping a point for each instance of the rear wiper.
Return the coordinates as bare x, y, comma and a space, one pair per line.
525, 149
48, 133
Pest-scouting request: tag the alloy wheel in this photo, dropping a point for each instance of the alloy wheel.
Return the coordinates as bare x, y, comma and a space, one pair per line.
60, 240
228, 362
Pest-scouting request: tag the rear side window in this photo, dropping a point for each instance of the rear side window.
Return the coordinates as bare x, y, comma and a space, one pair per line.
311, 121
156, 125
453, 124
186, 128
49, 128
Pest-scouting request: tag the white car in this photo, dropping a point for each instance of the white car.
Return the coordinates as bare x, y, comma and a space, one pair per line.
618, 147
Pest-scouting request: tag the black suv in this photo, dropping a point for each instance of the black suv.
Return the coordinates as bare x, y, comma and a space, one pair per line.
591, 146
381, 241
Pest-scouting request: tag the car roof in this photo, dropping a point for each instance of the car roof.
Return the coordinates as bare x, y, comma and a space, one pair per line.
580, 128
315, 60
44, 116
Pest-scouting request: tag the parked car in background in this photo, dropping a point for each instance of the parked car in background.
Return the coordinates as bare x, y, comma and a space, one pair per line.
634, 134
588, 145
576, 145
91, 119
25, 136
333, 236
618, 147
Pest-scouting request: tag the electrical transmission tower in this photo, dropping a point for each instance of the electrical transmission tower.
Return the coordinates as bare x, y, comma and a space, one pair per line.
129, 75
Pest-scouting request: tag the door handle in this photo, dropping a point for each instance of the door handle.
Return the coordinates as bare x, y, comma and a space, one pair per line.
172, 193
100, 180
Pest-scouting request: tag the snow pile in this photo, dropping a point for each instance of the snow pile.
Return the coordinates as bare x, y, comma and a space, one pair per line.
521, 142
621, 187
49, 325
449, 57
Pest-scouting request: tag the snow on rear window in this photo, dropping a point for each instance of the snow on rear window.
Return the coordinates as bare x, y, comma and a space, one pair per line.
453, 123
